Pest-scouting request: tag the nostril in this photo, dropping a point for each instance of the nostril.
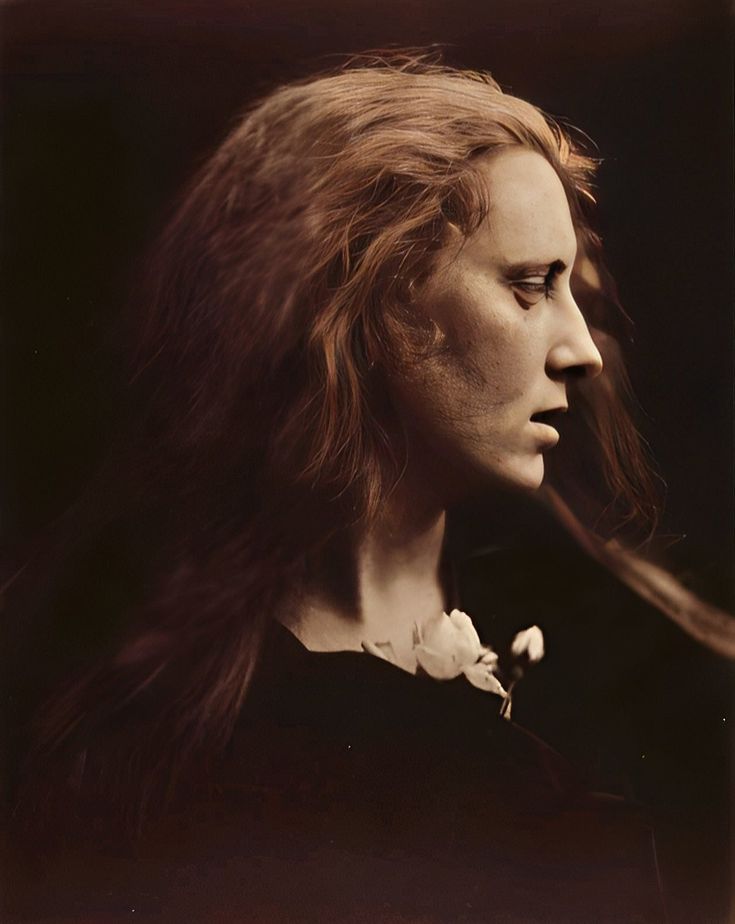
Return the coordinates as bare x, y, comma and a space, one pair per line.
579, 372
588, 369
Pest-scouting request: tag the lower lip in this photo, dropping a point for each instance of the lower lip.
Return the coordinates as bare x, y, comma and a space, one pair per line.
545, 432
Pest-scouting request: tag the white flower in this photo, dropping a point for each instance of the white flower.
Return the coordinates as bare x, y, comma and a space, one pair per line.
528, 644
447, 646
482, 675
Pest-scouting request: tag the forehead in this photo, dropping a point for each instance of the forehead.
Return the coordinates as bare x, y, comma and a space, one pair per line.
528, 217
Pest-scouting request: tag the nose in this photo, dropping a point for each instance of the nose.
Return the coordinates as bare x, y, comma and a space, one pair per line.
573, 351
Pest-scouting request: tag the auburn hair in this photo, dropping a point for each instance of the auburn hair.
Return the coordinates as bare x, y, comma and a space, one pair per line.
282, 280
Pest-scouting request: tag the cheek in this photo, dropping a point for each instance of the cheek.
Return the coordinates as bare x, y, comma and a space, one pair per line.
479, 370
484, 343
462, 395
489, 365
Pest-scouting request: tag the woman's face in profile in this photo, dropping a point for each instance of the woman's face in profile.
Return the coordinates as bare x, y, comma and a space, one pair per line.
512, 335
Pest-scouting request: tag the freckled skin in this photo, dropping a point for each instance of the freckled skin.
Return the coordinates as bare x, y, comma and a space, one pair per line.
506, 353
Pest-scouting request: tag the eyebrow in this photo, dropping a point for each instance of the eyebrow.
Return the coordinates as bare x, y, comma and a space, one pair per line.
516, 270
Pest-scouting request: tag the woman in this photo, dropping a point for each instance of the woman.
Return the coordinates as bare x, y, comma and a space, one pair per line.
359, 316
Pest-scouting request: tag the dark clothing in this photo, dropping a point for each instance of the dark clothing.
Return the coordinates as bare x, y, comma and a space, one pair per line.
354, 791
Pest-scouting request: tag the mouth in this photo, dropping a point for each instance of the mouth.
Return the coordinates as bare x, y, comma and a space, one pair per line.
546, 423
550, 417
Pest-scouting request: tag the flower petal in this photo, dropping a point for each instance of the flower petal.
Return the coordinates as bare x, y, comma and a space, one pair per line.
480, 676
385, 651
382, 650
438, 633
488, 656
529, 644
467, 641
438, 664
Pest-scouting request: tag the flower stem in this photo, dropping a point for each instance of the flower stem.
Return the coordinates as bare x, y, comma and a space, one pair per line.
507, 702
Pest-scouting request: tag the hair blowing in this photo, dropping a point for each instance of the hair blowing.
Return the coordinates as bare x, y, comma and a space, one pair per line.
279, 290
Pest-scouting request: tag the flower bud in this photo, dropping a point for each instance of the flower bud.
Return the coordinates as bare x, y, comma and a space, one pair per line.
528, 644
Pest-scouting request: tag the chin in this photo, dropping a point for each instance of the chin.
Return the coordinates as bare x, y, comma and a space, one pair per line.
525, 475
478, 474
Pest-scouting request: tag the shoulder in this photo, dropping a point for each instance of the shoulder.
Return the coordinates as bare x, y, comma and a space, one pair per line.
352, 790
416, 793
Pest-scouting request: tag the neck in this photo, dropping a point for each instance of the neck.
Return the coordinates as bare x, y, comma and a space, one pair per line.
396, 576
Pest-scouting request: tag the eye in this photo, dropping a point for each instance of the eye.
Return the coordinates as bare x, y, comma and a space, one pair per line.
532, 283
531, 289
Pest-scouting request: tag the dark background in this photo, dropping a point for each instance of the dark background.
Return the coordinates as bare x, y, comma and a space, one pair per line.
107, 108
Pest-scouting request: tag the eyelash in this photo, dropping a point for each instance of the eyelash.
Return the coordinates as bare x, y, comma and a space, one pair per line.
543, 289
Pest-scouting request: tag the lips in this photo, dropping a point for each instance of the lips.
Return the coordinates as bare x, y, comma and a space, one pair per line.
546, 423
550, 416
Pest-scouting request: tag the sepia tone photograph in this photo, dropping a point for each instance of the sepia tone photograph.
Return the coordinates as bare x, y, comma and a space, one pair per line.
367, 464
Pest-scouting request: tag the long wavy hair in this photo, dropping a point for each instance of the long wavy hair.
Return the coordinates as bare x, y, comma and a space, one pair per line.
279, 290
